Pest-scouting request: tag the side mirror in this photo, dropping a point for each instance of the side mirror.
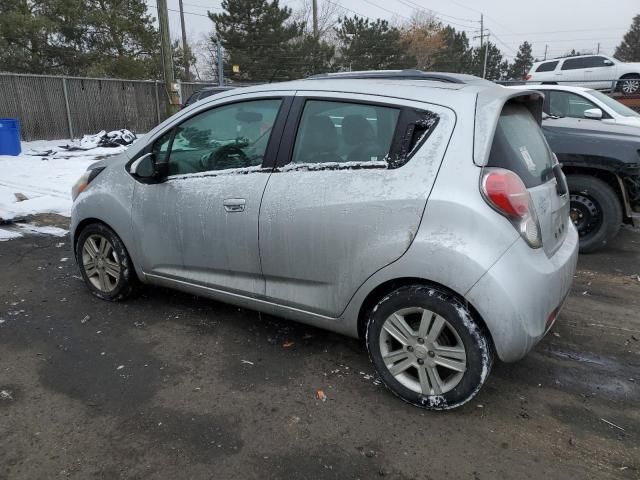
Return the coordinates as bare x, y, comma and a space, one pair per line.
607, 63
144, 167
594, 113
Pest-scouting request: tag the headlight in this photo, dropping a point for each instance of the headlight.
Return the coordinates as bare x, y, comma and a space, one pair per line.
84, 181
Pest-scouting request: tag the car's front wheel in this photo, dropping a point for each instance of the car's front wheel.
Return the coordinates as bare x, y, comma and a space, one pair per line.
105, 264
427, 348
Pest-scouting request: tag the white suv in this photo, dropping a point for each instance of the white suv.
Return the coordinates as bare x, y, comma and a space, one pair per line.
594, 71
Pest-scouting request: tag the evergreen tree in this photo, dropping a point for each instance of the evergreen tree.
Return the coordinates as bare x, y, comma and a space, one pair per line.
258, 36
455, 55
316, 57
522, 63
75, 37
496, 66
629, 49
178, 60
365, 45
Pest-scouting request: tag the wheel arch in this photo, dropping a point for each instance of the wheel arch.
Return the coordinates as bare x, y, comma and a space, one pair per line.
379, 292
92, 220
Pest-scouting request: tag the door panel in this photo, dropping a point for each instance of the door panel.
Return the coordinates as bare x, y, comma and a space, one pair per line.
325, 227
200, 225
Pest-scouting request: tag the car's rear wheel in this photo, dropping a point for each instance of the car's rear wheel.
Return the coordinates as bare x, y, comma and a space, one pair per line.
595, 211
630, 85
105, 264
427, 349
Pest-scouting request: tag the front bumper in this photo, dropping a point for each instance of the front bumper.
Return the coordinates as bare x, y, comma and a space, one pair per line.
520, 291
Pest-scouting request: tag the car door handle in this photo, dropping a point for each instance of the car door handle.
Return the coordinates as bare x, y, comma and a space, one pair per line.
234, 204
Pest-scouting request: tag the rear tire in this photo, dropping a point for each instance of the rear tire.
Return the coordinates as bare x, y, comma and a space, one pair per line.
595, 211
629, 85
105, 264
427, 349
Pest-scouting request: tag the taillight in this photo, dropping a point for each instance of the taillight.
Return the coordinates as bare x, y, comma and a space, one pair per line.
504, 192
527, 77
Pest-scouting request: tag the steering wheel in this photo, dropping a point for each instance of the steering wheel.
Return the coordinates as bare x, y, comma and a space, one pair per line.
228, 156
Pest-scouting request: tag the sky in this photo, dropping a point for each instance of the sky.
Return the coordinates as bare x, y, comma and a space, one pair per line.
559, 24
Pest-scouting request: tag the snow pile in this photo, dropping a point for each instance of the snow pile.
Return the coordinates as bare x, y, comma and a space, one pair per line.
44, 173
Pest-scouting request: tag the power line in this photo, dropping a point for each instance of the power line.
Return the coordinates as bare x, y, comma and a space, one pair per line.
434, 12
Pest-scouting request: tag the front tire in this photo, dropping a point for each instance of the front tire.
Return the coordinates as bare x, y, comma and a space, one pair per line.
427, 349
595, 211
105, 264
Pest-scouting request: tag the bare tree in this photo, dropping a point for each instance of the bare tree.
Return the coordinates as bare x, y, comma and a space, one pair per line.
328, 14
422, 36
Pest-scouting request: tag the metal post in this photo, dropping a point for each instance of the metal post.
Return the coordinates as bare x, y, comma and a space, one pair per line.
155, 89
185, 46
66, 105
167, 61
220, 63
486, 54
315, 18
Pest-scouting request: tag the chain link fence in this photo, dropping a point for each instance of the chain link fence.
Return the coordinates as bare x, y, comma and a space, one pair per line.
53, 107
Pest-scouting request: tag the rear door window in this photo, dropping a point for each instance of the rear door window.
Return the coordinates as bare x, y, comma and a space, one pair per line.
342, 132
519, 146
574, 63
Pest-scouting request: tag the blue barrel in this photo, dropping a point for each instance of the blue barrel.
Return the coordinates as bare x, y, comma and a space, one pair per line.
9, 136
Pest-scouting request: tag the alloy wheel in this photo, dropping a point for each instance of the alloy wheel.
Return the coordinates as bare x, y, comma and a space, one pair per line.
631, 86
422, 351
100, 262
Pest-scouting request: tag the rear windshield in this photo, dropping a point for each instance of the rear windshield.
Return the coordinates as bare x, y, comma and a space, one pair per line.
519, 146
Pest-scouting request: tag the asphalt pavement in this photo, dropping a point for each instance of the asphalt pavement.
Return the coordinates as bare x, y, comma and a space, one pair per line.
170, 386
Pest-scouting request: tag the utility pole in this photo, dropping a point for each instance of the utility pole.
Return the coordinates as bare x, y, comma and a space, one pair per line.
598, 52
486, 54
167, 63
545, 51
315, 18
185, 47
220, 56
481, 29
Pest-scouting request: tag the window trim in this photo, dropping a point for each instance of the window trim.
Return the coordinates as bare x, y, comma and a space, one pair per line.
287, 144
269, 160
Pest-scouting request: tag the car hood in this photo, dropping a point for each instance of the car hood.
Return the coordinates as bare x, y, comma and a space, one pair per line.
571, 137
628, 121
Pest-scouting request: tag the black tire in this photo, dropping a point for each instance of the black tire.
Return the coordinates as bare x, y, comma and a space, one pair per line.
600, 208
127, 282
630, 84
476, 343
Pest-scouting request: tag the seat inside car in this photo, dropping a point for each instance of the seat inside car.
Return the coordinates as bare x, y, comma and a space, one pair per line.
318, 142
358, 135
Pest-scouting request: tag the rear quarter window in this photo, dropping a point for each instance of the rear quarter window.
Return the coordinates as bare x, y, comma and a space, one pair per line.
547, 67
519, 145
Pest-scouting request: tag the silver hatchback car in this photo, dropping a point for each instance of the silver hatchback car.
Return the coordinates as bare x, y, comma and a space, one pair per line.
421, 212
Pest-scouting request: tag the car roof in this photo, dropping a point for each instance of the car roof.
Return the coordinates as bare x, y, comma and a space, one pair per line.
559, 59
567, 88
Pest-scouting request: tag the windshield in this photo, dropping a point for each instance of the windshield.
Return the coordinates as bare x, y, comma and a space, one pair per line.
614, 105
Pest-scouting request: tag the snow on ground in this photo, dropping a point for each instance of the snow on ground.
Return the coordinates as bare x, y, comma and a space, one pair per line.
19, 229
46, 181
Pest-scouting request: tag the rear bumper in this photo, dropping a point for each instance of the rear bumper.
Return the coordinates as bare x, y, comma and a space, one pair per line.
518, 296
